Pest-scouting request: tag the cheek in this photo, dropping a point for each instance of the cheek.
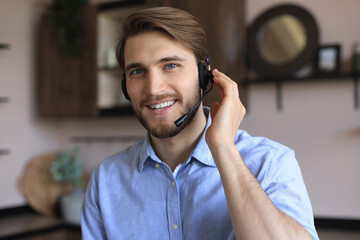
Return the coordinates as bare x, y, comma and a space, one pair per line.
192, 82
134, 90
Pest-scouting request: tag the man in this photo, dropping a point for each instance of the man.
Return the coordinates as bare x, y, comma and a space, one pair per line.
205, 179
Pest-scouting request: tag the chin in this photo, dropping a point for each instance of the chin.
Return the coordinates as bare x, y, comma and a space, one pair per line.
165, 130
161, 128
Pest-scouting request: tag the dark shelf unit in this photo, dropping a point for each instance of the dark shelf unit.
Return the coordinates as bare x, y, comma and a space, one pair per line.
308, 78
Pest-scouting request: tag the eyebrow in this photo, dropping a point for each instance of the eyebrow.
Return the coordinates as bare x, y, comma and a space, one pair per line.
132, 65
162, 60
171, 58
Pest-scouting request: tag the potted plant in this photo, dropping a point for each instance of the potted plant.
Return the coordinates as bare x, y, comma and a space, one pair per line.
66, 18
67, 168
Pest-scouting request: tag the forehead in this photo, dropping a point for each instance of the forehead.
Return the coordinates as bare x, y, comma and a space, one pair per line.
153, 45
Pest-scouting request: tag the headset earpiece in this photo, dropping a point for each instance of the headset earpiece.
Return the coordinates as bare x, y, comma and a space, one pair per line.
205, 75
123, 87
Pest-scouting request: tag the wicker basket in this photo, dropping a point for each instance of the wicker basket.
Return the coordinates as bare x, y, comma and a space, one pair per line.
38, 187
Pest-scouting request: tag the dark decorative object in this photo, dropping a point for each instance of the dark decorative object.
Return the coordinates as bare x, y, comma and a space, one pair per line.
356, 58
4, 46
4, 99
282, 40
328, 59
4, 151
66, 19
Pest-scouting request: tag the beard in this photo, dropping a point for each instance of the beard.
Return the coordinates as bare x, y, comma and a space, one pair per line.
166, 131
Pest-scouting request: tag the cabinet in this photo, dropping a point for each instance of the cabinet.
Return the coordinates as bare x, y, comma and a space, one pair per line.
66, 86
84, 86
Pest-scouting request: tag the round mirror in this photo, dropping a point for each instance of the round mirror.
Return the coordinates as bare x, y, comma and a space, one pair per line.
282, 40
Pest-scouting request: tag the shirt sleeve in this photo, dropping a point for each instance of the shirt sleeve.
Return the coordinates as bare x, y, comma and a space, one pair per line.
286, 189
92, 226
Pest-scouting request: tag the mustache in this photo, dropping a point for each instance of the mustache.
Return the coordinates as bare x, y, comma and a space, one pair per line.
158, 98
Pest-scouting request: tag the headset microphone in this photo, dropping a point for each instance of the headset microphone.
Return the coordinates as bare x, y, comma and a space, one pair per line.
205, 77
182, 119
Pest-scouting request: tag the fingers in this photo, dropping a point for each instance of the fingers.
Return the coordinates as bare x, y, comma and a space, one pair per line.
227, 115
229, 93
224, 84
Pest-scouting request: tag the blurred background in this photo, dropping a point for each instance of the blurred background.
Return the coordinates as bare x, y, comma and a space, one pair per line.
52, 100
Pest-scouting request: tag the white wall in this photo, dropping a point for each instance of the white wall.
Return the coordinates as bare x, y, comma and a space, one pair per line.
20, 132
318, 118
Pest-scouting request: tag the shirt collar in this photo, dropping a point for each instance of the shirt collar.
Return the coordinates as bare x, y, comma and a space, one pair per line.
201, 152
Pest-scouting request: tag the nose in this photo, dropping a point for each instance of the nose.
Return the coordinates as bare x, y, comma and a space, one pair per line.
155, 83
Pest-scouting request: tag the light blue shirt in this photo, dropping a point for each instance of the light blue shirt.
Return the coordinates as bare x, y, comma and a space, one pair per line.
134, 195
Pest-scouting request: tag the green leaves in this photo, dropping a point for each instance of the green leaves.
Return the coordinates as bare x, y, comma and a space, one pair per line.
67, 167
66, 18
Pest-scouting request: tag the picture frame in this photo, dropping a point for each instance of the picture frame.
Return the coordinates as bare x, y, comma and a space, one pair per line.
328, 59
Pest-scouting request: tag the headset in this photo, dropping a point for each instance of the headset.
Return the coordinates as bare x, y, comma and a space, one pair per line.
205, 78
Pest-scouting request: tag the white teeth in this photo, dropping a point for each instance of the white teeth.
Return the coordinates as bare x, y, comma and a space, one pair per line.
162, 105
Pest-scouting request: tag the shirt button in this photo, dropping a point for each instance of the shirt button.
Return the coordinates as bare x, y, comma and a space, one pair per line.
173, 183
157, 165
175, 226
193, 162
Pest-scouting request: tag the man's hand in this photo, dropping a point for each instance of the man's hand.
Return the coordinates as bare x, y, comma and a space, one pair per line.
227, 116
252, 213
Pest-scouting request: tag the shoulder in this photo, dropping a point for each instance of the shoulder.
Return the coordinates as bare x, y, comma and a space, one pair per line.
261, 146
264, 157
122, 161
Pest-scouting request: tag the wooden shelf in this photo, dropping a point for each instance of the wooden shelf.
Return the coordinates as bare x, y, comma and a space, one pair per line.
313, 77
328, 76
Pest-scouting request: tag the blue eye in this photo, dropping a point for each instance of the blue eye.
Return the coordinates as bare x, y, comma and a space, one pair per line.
171, 66
136, 72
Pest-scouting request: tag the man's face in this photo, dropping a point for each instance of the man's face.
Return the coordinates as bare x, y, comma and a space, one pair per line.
162, 82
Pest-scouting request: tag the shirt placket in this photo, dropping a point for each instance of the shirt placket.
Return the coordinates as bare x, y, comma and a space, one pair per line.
173, 209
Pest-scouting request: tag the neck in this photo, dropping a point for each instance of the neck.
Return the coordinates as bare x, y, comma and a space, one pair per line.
174, 151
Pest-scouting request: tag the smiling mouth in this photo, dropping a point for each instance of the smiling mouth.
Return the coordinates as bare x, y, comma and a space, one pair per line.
161, 106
